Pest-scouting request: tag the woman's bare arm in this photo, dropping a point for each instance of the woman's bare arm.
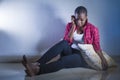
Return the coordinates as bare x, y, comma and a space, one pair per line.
104, 62
70, 34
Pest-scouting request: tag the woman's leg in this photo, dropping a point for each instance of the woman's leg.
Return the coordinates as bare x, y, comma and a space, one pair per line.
75, 51
60, 48
54, 59
70, 61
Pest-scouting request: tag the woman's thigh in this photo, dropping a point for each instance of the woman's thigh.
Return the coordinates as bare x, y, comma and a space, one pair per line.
72, 61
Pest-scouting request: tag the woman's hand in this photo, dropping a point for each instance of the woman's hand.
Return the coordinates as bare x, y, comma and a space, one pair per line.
103, 60
104, 64
73, 21
70, 34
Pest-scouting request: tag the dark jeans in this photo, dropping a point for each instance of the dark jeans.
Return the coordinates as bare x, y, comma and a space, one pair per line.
70, 58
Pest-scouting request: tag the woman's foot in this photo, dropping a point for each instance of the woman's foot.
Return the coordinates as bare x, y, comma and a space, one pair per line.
25, 59
31, 69
36, 64
28, 70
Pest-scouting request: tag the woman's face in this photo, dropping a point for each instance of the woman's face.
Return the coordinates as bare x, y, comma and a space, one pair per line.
81, 19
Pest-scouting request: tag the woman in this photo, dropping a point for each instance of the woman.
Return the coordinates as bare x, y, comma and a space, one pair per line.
67, 51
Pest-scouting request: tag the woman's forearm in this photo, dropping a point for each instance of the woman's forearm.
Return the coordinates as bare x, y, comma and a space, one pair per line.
70, 34
101, 55
103, 60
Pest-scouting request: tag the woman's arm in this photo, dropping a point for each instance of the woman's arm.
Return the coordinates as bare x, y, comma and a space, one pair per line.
70, 34
104, 62
70, 28
96, 45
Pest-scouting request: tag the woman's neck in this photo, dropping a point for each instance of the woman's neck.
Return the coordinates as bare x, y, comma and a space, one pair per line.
79, 31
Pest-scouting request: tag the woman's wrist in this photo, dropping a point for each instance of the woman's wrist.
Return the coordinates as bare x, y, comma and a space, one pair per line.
103, 60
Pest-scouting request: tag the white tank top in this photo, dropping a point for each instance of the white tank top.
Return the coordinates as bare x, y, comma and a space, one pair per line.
77, 38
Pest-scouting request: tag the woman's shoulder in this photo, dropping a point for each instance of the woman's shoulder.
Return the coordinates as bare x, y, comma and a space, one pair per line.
69, 25
91, 26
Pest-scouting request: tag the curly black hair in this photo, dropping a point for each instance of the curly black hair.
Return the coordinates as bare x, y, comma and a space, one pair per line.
81, 9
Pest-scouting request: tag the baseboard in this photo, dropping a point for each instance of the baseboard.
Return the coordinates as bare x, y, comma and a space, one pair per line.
17, 59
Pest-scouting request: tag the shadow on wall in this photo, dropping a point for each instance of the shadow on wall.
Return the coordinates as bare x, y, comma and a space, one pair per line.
52, 29
7, 43
49, 27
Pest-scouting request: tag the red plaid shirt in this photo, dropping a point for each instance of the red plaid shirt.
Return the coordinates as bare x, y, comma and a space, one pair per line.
91, 35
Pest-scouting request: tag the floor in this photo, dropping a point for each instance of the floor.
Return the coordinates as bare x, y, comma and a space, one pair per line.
15, 71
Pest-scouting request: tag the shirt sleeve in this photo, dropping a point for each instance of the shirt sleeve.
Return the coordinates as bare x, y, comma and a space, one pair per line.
67, 30
96, 40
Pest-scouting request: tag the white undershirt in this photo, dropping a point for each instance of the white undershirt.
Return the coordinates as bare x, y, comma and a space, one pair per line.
77, 38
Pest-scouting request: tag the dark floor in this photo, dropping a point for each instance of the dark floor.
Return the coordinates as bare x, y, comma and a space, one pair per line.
15, 71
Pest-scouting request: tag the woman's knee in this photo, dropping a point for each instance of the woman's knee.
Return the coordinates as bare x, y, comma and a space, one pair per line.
71, 61
71, 58
76, 57
64, 42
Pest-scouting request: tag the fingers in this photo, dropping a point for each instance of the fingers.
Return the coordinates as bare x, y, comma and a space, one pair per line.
104, 66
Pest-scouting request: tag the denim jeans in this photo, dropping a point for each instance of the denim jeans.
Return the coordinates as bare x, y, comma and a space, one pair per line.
70, 58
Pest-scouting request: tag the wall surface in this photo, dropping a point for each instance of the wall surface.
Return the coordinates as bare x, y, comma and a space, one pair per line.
32, 26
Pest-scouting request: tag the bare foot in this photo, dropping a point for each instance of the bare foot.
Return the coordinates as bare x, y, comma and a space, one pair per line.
31, 69
25, 59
